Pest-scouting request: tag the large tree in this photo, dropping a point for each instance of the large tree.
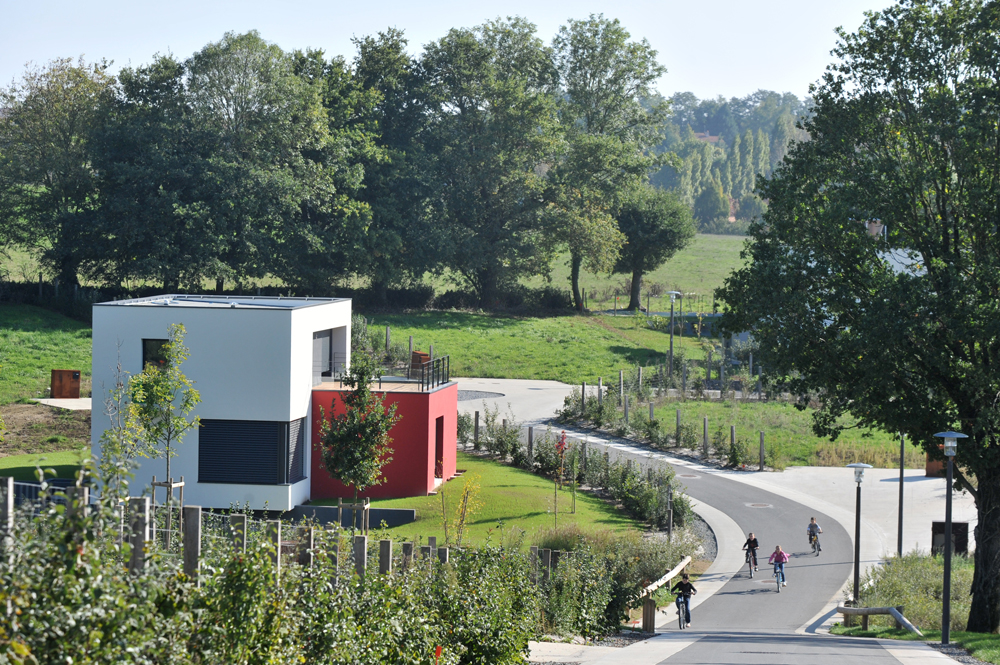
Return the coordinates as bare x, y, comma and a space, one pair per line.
49, 184
873, 280
611, 119
657, 225
492, 133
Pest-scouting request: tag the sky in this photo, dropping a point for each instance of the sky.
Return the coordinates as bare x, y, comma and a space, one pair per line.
714, 47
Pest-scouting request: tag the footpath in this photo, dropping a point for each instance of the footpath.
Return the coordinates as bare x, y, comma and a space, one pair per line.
828, 491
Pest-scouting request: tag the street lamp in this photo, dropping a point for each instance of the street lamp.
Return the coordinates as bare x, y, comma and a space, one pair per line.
672, 294
859, 475
950, 448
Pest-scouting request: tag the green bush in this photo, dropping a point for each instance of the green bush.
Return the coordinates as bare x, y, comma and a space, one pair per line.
466, 428
916, 582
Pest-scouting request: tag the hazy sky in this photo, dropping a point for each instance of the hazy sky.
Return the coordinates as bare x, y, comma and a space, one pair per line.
715, 47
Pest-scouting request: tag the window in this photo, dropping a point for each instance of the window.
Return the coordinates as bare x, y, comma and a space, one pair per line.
322, 355
152, 352
251, 452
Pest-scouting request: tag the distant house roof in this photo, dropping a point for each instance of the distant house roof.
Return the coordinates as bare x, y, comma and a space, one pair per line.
707, 137
232, 302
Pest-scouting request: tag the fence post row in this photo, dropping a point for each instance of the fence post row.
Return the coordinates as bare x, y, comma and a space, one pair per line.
138, 509
191, 538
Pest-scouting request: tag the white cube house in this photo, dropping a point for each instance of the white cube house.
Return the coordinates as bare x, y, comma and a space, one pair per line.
254, 360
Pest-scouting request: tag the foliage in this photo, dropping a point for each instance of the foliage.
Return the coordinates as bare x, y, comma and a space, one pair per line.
468, 505
915, 582
657, 226
161, 398
355, 444
883, 297
465, 428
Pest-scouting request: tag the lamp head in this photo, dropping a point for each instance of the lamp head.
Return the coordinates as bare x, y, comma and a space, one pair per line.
673, 294
951, 441
859, 471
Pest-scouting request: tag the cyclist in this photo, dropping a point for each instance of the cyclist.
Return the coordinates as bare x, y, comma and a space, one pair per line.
686, 589
751, 546
814, 530
779, 558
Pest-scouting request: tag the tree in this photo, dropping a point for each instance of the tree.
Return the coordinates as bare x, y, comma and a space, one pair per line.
492, 132
162, 400
711, 204
121, 442
355, 445
657, 225
611, 119
896, 328
50, 187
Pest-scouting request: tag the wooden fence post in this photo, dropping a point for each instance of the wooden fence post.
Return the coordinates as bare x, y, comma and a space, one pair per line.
138, 510
531, 444
677, 437
670, 512
648, 615
411, 350
600, 392
475, 435
443, 554
238, 528
761, 468
407, 555
274, 537
387, 339
583, 399
704, 437
625, 402
640, 377
621, 384
583, 456
652, 418
360, 554
384, 557
732, 437
191, 537
432, 542
306, 548
425, 552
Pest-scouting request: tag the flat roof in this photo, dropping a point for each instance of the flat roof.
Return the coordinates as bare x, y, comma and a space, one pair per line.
179, 300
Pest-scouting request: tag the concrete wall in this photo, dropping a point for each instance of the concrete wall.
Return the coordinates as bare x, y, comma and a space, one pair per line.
247, 364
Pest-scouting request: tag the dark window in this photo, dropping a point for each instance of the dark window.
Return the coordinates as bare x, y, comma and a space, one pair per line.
439, 447
251, 452
322, 355
152, 352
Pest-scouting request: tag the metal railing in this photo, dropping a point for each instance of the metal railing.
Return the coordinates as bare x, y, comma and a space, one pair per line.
329, 370
434, 373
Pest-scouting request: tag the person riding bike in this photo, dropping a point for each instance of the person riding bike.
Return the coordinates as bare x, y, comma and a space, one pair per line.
813, 530
751, 547
686, 590
779, 558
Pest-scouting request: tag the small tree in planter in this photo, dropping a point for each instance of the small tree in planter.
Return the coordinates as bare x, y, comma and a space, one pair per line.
355, 445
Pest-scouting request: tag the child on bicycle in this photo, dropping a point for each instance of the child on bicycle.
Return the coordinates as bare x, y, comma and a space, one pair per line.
814, 530
779, 558
686, 589
751, 546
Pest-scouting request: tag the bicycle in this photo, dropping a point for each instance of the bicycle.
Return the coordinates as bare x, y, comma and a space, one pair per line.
751, 561
779, 576
681, 619
814, 541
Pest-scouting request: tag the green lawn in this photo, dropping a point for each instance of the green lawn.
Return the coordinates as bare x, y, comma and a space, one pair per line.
984, 646
22, 467
515, 498
568, 348
791, 429
34, 341
695, 271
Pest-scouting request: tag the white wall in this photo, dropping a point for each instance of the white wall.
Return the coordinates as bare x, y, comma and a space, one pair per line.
246, 363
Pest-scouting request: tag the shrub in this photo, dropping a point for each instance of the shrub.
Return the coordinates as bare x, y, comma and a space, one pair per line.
465, 428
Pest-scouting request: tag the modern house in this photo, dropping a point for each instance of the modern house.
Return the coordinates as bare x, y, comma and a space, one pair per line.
263, 366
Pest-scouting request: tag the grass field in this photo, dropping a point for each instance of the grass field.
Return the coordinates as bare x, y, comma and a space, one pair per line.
22, 467
791, 429
509, 498
697, 270
560, 348
34, 341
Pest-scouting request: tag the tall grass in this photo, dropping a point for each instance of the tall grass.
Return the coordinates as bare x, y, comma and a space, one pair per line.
915, 581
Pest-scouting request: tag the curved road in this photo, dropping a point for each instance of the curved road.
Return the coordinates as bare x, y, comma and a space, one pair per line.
747, 621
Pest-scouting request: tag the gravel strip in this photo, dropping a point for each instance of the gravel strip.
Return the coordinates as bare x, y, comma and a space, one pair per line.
956, 652
709, 545
623, 639
469, 395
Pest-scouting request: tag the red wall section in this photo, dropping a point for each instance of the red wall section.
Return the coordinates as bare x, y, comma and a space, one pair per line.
411, 471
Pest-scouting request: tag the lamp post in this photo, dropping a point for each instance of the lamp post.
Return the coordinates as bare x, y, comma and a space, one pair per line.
950, 448
672, 294
899, 526
859, 475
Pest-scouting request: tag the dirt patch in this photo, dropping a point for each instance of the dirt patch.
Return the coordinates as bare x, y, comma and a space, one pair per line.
36, 428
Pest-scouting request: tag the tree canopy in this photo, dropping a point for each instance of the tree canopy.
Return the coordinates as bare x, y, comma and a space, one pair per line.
872, 281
